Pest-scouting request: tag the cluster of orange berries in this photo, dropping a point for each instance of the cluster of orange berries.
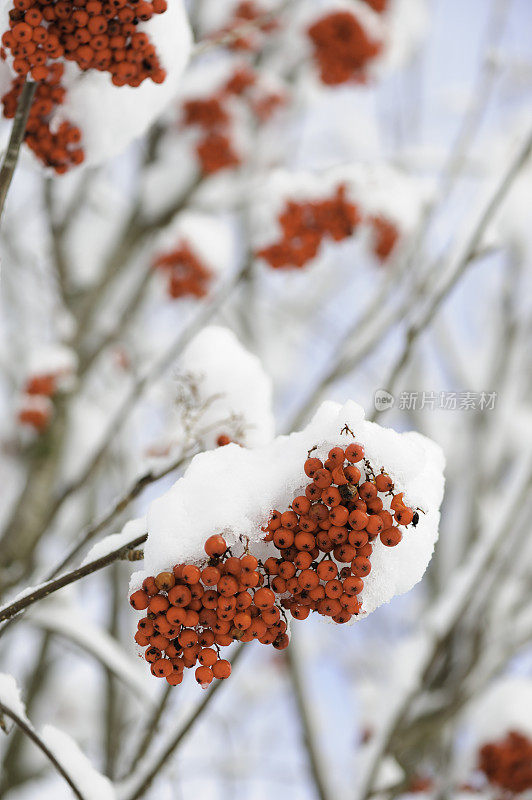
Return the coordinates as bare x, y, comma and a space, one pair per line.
194, 611
306, 225
215, 150
323, 546
187, 275
36, 406
508, 763
95, 34
325, 540
342, 47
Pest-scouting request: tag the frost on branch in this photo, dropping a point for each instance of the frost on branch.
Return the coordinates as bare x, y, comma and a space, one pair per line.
91, 783
350, 511
91, 100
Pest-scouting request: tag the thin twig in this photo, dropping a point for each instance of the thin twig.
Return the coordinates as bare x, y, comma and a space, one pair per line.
9, 164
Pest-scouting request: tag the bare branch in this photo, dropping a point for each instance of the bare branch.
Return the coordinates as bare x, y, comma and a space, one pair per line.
36, 739
9, 164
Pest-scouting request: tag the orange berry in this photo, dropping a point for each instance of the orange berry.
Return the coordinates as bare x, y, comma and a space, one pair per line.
215, 546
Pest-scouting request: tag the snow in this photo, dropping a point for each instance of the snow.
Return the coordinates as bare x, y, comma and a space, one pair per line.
242, 487
232, 381
91, 783
131, 531
51, 359
109, 116
10, 696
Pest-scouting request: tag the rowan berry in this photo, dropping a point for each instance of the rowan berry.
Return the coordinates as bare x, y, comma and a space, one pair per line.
264, 598
289, 520
232, 566
367, 491
383, 482
374, 525
301, 505
352, 474
352, 585
361, 566
354, 452
322, 478
331, 496
311, 466
191, 574
227, 585
283, 538
391, 537
180, 596
339, 515
215, 545
303, 560
207, 657
175, 678
366, 550
221, 669
281, 642
404, 516
141, 639
304, 541
204, 676
139, 600
358, 520
165, 581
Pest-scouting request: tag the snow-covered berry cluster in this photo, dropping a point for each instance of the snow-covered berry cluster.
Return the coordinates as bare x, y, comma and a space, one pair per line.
187, 275
94, 34
320, 554
343, 48
50, 372
305, 225
213, 116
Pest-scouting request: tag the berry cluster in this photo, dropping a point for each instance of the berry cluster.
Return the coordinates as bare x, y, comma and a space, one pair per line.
212, 116
325, 540
508, 763
187, 275
306, 225
322, 543
95, 34
36, 407
342, 48
194, 611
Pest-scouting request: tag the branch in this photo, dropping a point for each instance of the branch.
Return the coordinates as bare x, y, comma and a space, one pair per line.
10, 610
7, 170
26, 728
